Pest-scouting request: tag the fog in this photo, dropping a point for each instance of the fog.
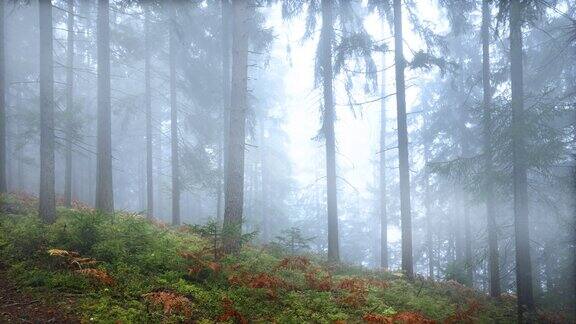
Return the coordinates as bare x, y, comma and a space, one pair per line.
452, 159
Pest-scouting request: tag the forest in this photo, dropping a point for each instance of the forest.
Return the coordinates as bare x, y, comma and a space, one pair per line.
287, 161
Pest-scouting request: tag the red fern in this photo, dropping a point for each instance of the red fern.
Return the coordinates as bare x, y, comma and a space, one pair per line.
98, 275
171, 303
231, 313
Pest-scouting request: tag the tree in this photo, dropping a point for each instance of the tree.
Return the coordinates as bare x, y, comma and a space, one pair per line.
226, 50
519, 165
492, 229
174, 118
327, 38
382, 169
234, 197
47, 194
3, 152
406, 219
69, 103
104, 189
148, 104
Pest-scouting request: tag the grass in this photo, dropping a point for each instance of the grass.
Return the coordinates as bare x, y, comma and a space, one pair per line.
122, 268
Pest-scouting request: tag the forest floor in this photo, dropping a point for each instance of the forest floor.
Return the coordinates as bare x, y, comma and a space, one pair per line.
20, 307
90, 267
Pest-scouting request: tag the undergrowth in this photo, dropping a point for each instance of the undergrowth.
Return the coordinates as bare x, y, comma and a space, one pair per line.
123, 269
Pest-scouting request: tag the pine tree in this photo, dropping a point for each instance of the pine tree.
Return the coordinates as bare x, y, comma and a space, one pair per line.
406, 218
47, 193
69, 102
104, 188
234, 198
519, 165
492, 228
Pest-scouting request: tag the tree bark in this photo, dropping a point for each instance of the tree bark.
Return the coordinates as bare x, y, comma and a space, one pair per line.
519, 167
174, 120
264, 194
492, 228
327, 38
234, 198
47, 194
226, 50
148, 104
104, 187
3, 152
406, 218
427, 207
382, 168
69, 103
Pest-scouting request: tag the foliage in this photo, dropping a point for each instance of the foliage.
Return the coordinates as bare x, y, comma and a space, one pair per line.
292, 241
172, 275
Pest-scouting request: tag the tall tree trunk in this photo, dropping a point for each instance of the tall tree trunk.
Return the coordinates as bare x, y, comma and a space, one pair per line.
47, 194
3, 152
148, 104
104, 187
234, 198
406, 218
427, 207
492, 228
466, 238
264, 196
226, 50
174, 120
69, 103
520, 178
326, 38
382, 169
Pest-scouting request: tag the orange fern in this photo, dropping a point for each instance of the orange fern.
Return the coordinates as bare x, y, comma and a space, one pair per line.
230, 312
171, 303
97, 275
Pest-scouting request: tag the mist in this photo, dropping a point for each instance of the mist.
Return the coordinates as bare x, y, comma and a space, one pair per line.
434, 139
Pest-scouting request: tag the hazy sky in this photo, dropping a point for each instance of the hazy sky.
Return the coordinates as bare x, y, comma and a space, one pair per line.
357, 133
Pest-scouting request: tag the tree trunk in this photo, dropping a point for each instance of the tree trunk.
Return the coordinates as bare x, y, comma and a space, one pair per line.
492, 229
326, 39
47, 195
69, 103
148, 104
382, 168
264, 196
234, 198
174, 120
226, 50
406, 218
3, 152
519, 167
427, 203
104, 192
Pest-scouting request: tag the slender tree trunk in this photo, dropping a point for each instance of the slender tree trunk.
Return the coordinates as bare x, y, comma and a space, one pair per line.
466, 238
3, 152
148, 104
427, 207
226, 50
520, 178
104, 187
468, 248
264, 196
326, 39
174, 120
234, 198
406, 218
47, 194
69, 104
382, 168
492, 229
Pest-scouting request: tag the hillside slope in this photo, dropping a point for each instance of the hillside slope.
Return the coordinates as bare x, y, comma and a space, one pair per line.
123, 268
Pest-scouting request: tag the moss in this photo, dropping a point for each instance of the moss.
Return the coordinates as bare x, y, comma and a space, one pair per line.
143, 257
